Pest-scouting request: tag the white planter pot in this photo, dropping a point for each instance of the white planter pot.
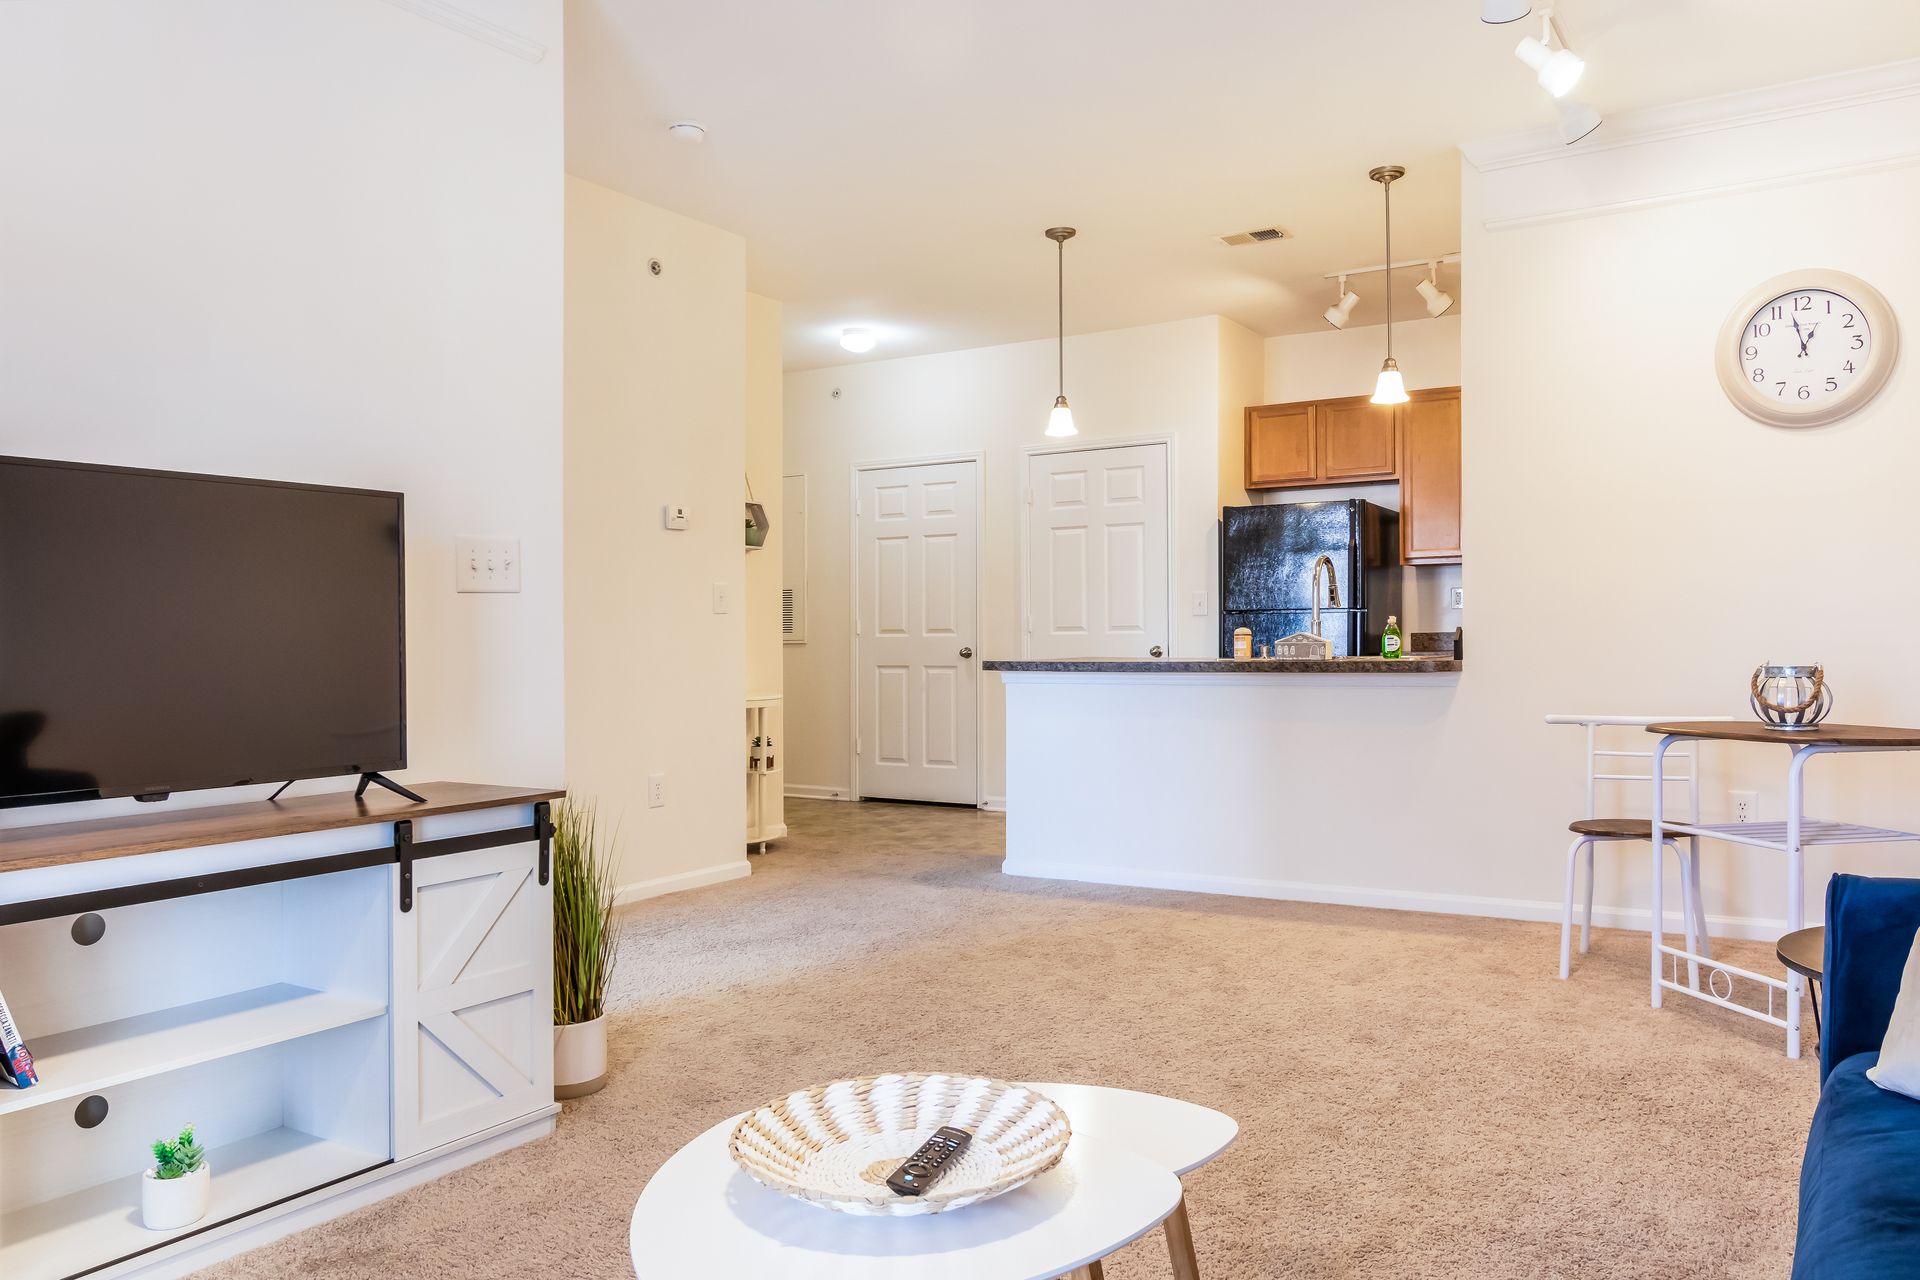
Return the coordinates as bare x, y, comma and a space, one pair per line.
580, 1058
167, 1204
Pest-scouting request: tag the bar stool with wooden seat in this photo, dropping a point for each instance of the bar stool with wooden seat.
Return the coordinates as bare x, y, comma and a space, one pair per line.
1594, 830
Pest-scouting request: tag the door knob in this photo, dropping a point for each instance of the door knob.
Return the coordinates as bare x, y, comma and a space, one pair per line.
1154, 652
967, 652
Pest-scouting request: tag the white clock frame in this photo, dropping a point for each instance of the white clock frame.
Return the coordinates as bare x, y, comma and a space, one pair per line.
1881, 323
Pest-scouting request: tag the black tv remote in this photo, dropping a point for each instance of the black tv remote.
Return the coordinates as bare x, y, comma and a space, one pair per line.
923, 1168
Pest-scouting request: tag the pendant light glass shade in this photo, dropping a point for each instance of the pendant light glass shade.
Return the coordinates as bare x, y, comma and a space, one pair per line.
1390, 387
1060, 421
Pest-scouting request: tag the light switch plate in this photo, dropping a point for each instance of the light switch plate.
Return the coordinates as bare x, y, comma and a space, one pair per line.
722, 598
1199, 604
486, 564
673, 516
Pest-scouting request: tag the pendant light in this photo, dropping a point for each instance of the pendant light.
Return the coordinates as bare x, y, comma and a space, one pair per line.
1390, 388
1060, 421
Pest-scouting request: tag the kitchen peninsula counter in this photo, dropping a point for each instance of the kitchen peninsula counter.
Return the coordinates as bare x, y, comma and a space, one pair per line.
1412, 664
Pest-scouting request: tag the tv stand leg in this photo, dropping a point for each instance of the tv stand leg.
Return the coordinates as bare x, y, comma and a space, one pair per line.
382, 780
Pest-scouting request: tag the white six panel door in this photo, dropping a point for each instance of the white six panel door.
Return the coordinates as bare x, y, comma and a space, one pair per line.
918, 675
1097, 553
473, 996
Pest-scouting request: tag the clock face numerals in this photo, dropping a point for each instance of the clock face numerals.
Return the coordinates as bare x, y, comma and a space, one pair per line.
1806, 351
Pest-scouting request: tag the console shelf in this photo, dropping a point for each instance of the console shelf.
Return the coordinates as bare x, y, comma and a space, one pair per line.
104, 1221
88, 1059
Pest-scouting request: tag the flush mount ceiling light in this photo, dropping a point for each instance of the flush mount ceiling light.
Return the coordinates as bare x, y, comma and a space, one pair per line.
687, 131
1340, 312
858, 341
1496, 12
1558, 70
1438, 303
1389, 388
1577, 119
1060, 421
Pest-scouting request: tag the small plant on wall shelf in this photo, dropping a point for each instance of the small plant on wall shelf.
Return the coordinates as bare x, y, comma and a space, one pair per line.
585, 948
178, 1189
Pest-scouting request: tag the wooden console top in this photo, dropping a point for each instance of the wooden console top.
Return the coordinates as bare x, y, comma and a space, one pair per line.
58, 843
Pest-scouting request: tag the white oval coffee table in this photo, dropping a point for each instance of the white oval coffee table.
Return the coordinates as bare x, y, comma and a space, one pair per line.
1176, 1135
701, 1216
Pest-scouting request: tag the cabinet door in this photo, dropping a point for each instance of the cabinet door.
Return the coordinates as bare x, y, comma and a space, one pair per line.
1357, 441
472, 996
1430, 478
1282, 445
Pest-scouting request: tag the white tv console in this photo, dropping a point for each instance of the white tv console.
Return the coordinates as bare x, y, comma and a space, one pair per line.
345, 997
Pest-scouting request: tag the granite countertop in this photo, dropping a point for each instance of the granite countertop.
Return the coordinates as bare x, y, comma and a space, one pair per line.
1412, 664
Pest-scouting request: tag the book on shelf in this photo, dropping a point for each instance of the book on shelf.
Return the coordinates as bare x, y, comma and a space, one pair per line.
16, 1063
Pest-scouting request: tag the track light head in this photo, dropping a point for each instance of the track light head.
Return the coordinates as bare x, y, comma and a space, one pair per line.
1496, 12
1577, 119
1438, 303
1341, 311
1557, 70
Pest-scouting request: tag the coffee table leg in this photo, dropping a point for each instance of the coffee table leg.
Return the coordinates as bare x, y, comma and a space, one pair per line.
1180, 1243
1095, 1271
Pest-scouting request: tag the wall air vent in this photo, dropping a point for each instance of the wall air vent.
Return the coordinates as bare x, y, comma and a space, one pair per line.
1259, 235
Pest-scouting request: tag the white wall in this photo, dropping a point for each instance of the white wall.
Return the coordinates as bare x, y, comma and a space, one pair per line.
312, 242
656, 376
1156, 380
764, 434
1633, 542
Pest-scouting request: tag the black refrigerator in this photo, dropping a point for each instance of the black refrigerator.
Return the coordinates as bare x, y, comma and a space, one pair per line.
1266, 572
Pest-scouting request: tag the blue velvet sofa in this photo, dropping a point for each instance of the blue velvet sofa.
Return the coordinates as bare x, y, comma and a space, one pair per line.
1860, 1179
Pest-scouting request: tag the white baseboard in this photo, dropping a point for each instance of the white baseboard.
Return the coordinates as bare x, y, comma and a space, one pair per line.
994, 804
800, 791
1756, 928
699, 879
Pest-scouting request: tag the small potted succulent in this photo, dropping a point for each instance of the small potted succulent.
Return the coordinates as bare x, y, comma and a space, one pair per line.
176, 1191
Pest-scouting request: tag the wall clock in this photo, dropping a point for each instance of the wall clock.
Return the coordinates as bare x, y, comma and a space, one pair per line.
1808, 347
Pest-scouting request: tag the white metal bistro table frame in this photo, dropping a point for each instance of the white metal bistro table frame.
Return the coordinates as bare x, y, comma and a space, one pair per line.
1789, 838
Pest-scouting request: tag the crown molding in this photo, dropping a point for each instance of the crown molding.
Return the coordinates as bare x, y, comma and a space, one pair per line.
1811, 96
455, 18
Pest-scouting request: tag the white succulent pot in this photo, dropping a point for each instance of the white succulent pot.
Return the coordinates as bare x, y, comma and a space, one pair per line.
579, 1058
167, 1204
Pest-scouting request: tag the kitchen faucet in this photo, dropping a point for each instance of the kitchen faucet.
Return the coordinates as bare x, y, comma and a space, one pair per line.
1333, 591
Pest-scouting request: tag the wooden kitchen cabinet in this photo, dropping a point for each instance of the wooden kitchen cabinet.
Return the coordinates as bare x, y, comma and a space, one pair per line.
1354, 441
1358, 441
1282, 445
1430, 477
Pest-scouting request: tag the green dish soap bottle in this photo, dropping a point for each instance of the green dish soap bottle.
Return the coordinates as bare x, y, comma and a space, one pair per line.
1390, 638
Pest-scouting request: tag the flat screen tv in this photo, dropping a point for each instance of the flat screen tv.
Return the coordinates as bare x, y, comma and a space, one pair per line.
165, 632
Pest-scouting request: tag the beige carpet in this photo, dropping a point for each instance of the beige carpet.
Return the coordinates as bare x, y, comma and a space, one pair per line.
1419, 1096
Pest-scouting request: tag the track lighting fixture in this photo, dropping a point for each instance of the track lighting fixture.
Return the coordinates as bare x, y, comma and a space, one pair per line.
1558, 70
1341, 311
1495, 12
1577, 119
1438, 303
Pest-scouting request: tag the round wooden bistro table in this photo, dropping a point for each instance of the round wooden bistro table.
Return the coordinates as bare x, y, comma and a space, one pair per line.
700, 1215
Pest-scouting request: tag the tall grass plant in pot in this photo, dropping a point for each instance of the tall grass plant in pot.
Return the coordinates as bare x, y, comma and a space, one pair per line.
585, 947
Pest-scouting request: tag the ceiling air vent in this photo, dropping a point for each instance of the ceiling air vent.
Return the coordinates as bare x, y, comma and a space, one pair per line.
1259, 235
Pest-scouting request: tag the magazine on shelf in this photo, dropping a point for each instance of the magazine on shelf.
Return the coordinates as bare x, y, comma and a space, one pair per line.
16, 1063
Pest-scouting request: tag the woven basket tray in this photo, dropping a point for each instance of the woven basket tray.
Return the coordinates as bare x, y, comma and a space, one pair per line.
835, 1145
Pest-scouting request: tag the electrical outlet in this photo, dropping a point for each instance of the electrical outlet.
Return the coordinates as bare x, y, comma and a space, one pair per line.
1456, 597
673, 516
1745, 804
486, 564
656, 790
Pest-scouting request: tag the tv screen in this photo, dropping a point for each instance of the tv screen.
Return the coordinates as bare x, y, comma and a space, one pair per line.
164, 632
